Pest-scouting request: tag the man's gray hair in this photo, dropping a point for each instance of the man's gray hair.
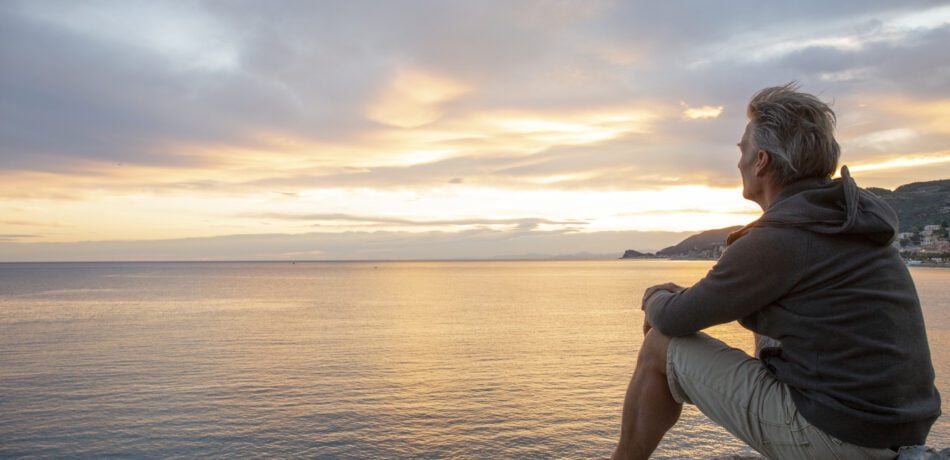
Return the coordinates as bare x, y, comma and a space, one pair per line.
797, 130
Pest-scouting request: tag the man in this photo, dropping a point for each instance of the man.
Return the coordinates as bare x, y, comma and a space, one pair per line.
851, 376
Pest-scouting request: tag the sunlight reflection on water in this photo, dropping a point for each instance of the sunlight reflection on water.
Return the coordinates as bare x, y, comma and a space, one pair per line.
375, 359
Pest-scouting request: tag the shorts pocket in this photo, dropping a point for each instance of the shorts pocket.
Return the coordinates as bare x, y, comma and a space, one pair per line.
784, 435
780, 422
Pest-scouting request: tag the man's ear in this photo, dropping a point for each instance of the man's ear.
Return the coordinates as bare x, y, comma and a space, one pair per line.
762, 161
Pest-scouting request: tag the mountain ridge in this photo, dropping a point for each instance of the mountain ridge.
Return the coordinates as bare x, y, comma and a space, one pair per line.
918, 203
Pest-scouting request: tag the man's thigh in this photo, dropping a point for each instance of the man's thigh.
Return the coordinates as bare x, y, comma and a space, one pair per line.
737, 392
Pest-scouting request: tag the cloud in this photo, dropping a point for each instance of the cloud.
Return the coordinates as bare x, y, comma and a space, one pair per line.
414, 99
331, 72
476, 243
15, 237
124, 105
884, 140
340, 217
699, 113
183, 34
896, 171
31, 223
940, 160
886, 60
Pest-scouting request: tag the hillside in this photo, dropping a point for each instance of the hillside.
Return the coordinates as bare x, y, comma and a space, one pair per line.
919, 203
632, 254
705, 245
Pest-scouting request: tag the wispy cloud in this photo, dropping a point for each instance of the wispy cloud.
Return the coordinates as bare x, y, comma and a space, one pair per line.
16, 237
338, 217
909, 161
698, 113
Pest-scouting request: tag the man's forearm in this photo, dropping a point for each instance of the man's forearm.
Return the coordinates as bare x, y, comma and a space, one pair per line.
653, 306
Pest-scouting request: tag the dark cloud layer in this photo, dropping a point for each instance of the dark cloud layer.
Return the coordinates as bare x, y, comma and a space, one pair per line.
471, 244
310, 69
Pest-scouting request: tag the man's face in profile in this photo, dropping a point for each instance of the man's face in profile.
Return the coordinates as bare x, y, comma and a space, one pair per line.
751, 188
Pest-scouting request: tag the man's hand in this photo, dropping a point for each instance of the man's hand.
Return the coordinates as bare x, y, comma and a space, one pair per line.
669, 287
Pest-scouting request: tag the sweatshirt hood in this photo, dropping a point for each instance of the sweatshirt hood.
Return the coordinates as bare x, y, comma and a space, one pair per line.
831, 207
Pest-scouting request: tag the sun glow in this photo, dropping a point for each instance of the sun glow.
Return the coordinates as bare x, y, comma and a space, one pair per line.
414, 99
910, 161
105, 216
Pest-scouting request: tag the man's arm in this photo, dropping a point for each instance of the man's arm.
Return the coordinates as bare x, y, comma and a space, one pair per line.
754, 272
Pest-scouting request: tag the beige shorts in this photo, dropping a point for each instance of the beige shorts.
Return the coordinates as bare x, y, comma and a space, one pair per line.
736, 391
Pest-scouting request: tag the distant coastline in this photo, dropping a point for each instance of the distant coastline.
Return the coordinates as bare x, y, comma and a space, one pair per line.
707, 245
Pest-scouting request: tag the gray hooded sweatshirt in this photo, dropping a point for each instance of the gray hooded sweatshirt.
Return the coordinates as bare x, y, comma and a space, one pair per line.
818, 273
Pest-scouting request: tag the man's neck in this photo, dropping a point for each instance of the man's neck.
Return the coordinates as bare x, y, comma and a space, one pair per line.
770, 192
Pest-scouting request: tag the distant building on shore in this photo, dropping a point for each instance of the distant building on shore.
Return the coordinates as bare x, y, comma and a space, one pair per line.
929, 245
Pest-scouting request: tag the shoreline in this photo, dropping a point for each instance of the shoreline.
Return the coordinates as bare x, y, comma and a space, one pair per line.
930, 265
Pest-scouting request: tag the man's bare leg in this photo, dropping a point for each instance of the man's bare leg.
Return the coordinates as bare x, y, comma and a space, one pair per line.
649, 409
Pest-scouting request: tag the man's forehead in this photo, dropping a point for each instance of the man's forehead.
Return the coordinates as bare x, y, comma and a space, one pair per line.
747, 131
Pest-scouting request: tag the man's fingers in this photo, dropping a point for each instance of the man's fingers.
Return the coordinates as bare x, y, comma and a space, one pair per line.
672, 287
669, 287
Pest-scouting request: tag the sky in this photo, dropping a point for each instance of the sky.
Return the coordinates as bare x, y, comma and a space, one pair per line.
195, 130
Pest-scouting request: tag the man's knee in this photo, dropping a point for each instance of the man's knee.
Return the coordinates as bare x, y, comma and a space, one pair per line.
653, 351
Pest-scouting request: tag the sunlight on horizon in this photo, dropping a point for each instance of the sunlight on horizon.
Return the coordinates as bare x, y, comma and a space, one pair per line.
444, 209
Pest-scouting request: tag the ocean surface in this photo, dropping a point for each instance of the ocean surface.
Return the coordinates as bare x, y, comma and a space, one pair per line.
337, 359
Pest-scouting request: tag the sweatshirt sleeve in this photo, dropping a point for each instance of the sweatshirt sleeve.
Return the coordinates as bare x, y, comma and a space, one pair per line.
754, 272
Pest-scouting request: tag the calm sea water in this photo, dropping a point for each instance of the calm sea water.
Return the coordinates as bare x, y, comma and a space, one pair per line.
370, 359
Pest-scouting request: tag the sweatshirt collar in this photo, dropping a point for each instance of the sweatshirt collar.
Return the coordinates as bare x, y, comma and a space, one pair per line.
792, 189
799, 186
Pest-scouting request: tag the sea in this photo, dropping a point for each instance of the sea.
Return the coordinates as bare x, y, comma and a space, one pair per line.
427, 359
